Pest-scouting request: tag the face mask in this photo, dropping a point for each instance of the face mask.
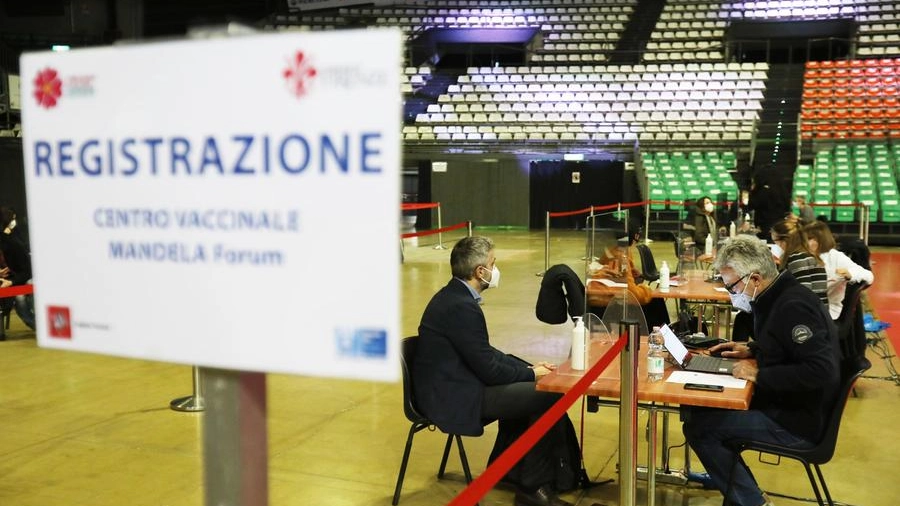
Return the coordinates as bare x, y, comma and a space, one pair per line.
776, 250
708, 208
495, 279
741, 301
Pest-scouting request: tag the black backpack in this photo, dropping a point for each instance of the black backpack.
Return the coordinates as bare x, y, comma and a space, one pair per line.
565, 472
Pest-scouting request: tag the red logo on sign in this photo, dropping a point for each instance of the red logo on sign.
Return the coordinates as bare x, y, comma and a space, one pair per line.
298, 73
58, 322
47, 88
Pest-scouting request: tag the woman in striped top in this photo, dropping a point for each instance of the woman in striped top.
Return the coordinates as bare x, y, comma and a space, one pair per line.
796, 257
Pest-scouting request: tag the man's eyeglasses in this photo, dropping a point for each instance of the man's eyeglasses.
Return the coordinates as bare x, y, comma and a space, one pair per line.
732, 285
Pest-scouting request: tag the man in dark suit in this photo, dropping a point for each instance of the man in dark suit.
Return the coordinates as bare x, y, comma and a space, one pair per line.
462, 382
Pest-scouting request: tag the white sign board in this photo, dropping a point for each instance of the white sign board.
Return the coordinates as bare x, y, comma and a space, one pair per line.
229, 203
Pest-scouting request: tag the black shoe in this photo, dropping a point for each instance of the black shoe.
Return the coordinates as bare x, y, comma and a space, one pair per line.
543, 496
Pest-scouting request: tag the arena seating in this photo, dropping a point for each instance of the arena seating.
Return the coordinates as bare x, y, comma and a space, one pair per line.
687, 32
851, 99
848, 173
653, 103
677, 176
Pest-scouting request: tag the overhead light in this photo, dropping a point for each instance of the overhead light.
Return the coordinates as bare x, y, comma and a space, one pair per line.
60, 47
573, 157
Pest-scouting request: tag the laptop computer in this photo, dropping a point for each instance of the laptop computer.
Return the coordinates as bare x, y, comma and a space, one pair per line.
691, 362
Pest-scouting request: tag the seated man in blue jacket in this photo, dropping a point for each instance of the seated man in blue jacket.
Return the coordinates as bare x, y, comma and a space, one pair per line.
462, 382
797, 371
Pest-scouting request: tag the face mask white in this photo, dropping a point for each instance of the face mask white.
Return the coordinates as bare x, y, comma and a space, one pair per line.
708, 207
741, 301
495, 279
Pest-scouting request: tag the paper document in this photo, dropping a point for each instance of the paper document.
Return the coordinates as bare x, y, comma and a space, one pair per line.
705, 378
721, 289
609, 282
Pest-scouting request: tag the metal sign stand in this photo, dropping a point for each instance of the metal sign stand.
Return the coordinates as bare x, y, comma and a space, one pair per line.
235, 446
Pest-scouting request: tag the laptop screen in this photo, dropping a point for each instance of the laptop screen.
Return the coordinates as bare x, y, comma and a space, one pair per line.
674, 346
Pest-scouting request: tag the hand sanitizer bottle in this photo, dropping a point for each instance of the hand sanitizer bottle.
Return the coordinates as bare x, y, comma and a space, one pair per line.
664, 277
578, 345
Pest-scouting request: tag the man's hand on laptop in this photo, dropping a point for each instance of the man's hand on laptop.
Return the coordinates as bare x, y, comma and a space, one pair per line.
731, 350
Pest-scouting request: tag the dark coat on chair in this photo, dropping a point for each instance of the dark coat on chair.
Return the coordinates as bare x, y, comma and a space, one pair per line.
455, 361
561, 295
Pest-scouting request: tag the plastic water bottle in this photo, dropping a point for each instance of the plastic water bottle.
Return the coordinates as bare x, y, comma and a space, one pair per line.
656, 363
579, 347
709, 245
664, 277
732, 230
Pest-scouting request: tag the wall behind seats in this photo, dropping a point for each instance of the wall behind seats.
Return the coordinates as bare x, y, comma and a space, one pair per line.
490, 190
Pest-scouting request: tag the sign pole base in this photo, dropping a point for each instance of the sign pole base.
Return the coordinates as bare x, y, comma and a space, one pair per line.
194, 402
187, 403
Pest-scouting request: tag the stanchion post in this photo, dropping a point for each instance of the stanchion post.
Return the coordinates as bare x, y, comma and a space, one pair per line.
593, 219
440, 226
546, 244
628, 414
193, 402
647, 221
651, 456
867, 210
862, 219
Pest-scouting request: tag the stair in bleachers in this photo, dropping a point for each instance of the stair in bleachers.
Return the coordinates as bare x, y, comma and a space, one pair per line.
637, 32
418, 102
776, 138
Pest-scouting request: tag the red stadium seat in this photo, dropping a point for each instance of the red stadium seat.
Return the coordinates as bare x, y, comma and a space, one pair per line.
842, 92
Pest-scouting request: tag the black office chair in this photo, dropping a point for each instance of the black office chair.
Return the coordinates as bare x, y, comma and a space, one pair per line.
648, 266
822, 452
6, 307
420, 421
851, 332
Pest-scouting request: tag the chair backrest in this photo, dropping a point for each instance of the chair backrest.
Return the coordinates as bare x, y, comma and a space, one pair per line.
823, 452
408, 349
851, 334
648, 266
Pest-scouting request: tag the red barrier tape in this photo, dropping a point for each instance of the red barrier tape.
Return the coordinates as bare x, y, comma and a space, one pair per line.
587, 210
435, 231
480, 486
570, 213
422, 205
12, 291
690, 203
